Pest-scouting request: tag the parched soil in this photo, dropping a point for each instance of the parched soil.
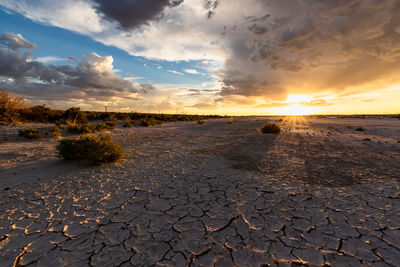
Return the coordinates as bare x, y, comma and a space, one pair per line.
217, 194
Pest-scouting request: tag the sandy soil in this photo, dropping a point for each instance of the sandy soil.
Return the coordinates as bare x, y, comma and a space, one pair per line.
214, 194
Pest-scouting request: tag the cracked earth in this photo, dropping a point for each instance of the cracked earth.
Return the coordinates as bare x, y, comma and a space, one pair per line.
203, 195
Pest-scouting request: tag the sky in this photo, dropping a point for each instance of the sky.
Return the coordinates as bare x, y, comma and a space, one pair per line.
229, 57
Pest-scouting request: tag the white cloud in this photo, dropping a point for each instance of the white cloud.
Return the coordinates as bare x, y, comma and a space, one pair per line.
176, 72
193, 71
49, 59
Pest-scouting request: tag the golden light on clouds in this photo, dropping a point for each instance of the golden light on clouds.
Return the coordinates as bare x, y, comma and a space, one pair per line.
298, 98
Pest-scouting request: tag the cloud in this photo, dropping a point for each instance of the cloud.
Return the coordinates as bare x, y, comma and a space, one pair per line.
93, 78
263, 49
49, 59
131, 14
176, 72
311, 46
73, 58
193, 71
15, 42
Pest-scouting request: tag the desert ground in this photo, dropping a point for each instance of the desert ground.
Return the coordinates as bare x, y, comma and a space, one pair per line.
218, 194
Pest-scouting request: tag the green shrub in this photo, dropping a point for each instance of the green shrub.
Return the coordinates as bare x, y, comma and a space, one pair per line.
30, 133
360, 129
271, 128
94, 149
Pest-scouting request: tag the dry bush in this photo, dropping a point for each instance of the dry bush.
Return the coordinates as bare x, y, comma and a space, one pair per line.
10, 107
200, 122
94, 149
231, 120
271, 128
55, 132
30, 133
127, 124
360, 129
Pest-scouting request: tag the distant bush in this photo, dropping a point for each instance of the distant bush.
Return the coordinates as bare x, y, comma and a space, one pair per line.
55, 132
360, 129
81, 128
75, 115
94, 149
231, 120
348, 126
200, 122
91, 128
151, 122
271, 128
109, 125
127, 124
30, 133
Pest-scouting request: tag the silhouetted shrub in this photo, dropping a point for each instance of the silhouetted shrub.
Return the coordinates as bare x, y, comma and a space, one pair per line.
271, 128
94, 149
30, 133
360, 129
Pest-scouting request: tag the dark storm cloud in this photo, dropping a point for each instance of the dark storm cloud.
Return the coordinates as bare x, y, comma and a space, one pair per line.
312, 46
15, 41
92, 77
130, 14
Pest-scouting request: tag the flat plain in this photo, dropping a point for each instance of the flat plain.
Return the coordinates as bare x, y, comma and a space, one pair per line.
223, 194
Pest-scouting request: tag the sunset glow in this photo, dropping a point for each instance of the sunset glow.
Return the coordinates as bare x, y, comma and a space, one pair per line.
203, 57
296, 109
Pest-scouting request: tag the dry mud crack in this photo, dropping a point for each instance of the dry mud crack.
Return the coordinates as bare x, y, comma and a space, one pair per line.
214, 194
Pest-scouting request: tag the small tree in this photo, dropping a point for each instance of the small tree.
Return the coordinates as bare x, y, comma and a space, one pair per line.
10, 107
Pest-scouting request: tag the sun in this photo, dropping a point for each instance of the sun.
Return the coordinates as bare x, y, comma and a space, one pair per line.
295, 109
298, 98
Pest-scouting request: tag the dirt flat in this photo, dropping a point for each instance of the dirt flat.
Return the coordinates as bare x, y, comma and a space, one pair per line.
320, 193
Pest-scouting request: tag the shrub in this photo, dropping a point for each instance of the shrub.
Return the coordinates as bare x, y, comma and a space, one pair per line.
110, 125
80, 128
75, 115
94, 149
151, 122
10, 107
348, 126
231, 120
200, 122
127, 124
271, 128
360, 129
30, 133
55, 132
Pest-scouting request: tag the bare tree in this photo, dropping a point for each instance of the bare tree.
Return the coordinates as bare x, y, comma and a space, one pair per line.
10, 106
